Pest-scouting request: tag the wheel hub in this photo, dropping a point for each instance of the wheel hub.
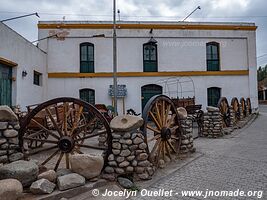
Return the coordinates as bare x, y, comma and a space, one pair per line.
165, 133
66, 144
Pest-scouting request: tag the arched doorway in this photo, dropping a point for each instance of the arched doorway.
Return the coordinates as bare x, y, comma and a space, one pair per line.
214, 94
148, 91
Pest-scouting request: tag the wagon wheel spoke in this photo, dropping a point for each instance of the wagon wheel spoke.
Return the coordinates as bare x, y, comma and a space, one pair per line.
171, 146
88, 136
154, 138
53, 121
168, 151
45, 129
90, 146
36, 134
50, 157
77, 150
155, 120
158, 152
176, 138
58, 161
42, 150
153, 129
158, 114
67, 160
76, 119
163, 112
41, 140
64, 127
173, 130
169, 121
166, 115
152, 153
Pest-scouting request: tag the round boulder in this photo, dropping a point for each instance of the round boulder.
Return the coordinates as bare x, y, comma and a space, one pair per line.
7, 115
87, 165
10, 189
24, 171
182, 113
42, 186
126, 123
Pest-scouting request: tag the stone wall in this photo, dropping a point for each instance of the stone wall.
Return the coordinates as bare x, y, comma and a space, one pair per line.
187, 137
129, 155
9, 142
212, 125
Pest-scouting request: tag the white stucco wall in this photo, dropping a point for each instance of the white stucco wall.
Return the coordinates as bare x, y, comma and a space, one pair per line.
178, 50
28, 57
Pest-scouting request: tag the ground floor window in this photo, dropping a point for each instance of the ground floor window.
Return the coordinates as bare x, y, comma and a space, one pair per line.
88, 95
148, 91
37, 78
214, 94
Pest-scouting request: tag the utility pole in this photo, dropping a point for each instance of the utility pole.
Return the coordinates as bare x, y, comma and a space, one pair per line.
115, 59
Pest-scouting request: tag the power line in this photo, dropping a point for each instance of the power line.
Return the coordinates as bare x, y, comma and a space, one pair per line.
262, 55
134, 16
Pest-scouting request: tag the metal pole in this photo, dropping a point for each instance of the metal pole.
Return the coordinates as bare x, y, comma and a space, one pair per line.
115, 59
20, 17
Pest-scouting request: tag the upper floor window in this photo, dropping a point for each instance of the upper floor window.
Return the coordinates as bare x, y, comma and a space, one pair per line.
150, 57
87, 57
37, 78
88, 95
214, 95
213, 56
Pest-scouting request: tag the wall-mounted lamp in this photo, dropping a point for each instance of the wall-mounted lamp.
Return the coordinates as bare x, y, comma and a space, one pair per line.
24, 73
152, 40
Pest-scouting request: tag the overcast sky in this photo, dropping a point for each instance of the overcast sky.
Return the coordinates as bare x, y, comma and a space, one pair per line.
163, 10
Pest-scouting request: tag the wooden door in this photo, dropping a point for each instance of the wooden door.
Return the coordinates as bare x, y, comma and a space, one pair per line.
5, 85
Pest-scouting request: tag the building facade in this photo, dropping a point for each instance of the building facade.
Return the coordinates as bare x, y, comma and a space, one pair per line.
23, 74
76, 61
220, 58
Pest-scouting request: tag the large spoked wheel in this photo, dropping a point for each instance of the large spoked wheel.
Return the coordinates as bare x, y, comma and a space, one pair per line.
243, 107
235, 106
70, 126
225, 111
161, 128
248, 104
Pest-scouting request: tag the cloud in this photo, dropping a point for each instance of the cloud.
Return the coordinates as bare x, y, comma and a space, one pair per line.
211, 10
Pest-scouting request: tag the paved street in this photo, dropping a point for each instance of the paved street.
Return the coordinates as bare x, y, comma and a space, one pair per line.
235, 162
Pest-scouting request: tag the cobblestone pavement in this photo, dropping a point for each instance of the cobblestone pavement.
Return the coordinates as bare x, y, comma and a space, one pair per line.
236, 162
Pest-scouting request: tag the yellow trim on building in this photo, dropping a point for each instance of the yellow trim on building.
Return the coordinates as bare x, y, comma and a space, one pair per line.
148, 26
8, 62
147, 74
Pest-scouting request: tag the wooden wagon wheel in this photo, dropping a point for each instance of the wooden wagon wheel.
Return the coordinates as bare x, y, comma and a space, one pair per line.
235, 106
161, 128
243, 107
225, 111
72, 130
248, 104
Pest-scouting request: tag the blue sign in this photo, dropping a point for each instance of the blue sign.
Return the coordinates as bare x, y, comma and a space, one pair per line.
121, 91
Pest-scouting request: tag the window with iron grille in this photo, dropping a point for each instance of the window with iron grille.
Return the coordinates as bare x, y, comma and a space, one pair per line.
213, 57
150, 57
87, 58
88, 95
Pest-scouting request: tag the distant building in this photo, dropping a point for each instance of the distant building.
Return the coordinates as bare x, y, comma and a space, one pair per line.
220, 58
23, 70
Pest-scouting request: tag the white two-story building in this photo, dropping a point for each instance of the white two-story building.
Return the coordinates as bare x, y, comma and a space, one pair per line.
75, 58
220, 58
